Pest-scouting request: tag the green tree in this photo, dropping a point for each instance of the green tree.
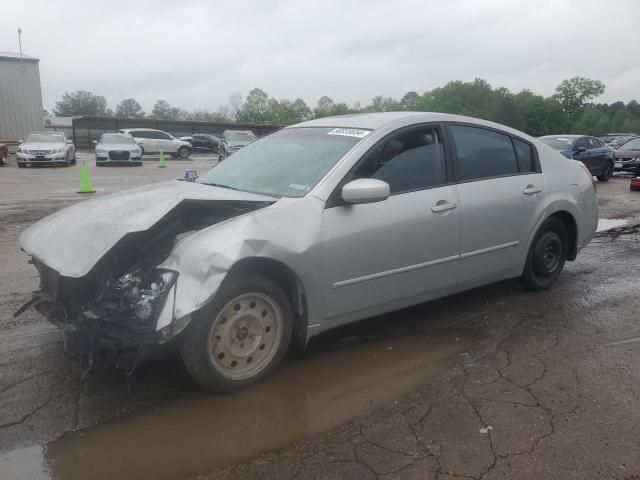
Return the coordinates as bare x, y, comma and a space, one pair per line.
633, 108
324, 107
410, 101
161, 110
80, 102
574, 93
382, 104
255, 107
130, 108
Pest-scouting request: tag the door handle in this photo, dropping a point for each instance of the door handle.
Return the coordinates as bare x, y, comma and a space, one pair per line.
443, 206
531, 190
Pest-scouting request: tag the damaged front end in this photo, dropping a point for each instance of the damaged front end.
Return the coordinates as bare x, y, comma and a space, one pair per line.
115, 313
125, 306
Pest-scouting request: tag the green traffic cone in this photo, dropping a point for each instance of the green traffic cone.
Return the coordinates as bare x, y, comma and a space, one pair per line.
85, 181
162, 162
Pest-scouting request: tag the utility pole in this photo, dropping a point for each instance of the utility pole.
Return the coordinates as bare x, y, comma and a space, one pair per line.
20, 42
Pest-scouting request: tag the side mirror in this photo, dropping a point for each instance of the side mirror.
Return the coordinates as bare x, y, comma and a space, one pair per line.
365, 190
95, 142
69, 141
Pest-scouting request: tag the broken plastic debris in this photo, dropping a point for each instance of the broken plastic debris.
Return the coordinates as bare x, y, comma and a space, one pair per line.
486, 429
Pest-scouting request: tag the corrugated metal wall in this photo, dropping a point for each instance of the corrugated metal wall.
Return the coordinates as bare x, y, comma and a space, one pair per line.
20, 99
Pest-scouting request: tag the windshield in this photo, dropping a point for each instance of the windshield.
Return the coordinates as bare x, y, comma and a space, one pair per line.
631, 145
45, 138
559, 143
116, 138
289, 162
241, 136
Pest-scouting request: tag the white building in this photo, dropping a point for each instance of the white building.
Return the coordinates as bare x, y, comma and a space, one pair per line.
20, 96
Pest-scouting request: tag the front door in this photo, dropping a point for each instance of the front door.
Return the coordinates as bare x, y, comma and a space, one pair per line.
400, 251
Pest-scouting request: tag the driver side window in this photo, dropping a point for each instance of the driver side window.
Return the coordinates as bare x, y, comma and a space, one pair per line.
408, 161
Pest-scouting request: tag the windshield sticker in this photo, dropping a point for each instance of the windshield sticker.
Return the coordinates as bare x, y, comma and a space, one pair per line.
349, 132
297, 186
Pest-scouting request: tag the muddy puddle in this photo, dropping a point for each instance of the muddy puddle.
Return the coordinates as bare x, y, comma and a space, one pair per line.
203, 431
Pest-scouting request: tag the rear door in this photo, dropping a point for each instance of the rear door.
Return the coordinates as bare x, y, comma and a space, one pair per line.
142, 138
165, 142
588, 156
501, 191
599, 152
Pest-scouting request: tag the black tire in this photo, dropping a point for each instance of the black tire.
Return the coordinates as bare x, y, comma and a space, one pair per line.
21, 165
547, 255
607, 171
195, 346
67, 160
184, 152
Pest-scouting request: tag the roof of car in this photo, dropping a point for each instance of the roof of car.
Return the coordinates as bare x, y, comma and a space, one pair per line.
377, 120
139, 129
569, 135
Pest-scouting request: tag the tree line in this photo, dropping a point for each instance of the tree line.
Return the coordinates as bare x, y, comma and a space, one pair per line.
569, 110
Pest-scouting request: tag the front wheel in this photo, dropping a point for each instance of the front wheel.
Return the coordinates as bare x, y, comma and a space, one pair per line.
546, 257
184, 152
241, 336
607, 171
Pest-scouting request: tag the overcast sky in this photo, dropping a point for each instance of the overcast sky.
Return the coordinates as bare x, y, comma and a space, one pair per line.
195, 53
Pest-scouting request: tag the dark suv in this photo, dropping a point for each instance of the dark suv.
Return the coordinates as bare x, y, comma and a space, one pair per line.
233, 140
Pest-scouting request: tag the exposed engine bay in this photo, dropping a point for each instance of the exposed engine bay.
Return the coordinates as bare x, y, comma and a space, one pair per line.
116, 306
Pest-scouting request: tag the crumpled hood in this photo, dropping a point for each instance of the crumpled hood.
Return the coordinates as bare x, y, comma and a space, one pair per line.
74, 239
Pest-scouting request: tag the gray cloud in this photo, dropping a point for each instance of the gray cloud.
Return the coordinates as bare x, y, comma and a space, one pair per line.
195, 53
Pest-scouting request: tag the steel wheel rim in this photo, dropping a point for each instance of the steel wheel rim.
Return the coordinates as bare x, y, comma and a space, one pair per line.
183, 152
245, 336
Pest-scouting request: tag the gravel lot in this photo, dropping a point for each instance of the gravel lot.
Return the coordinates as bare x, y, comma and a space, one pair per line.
495, 383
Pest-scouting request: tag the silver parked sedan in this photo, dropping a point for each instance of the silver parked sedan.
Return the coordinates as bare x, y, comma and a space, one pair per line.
118, 149
46, 148
317, 225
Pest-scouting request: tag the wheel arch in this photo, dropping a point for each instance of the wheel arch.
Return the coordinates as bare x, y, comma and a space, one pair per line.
290, 283
572, 231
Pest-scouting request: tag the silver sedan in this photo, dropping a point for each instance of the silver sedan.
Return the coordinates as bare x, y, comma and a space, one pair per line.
314, 226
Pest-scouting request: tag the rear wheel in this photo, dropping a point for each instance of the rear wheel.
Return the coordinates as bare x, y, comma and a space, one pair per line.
547, 255
607, 171
241, 336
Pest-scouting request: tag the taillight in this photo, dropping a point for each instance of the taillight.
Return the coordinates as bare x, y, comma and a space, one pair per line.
588, 173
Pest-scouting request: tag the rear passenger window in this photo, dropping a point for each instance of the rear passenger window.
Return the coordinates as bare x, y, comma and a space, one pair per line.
483, 153
409, 161
525, 156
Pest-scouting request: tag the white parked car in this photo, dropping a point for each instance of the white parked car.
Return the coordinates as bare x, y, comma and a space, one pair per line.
155, 141
50, 148
118, 148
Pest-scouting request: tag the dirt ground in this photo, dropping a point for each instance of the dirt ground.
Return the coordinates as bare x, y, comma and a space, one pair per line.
495, 383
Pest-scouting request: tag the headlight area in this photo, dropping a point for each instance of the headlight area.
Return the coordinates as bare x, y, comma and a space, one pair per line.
115, 313
137, 297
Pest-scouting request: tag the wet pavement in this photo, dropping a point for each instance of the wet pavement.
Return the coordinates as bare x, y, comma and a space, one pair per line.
495, 383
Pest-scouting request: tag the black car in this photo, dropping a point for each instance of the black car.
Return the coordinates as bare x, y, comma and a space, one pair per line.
203, 141
594, 153
628, 156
